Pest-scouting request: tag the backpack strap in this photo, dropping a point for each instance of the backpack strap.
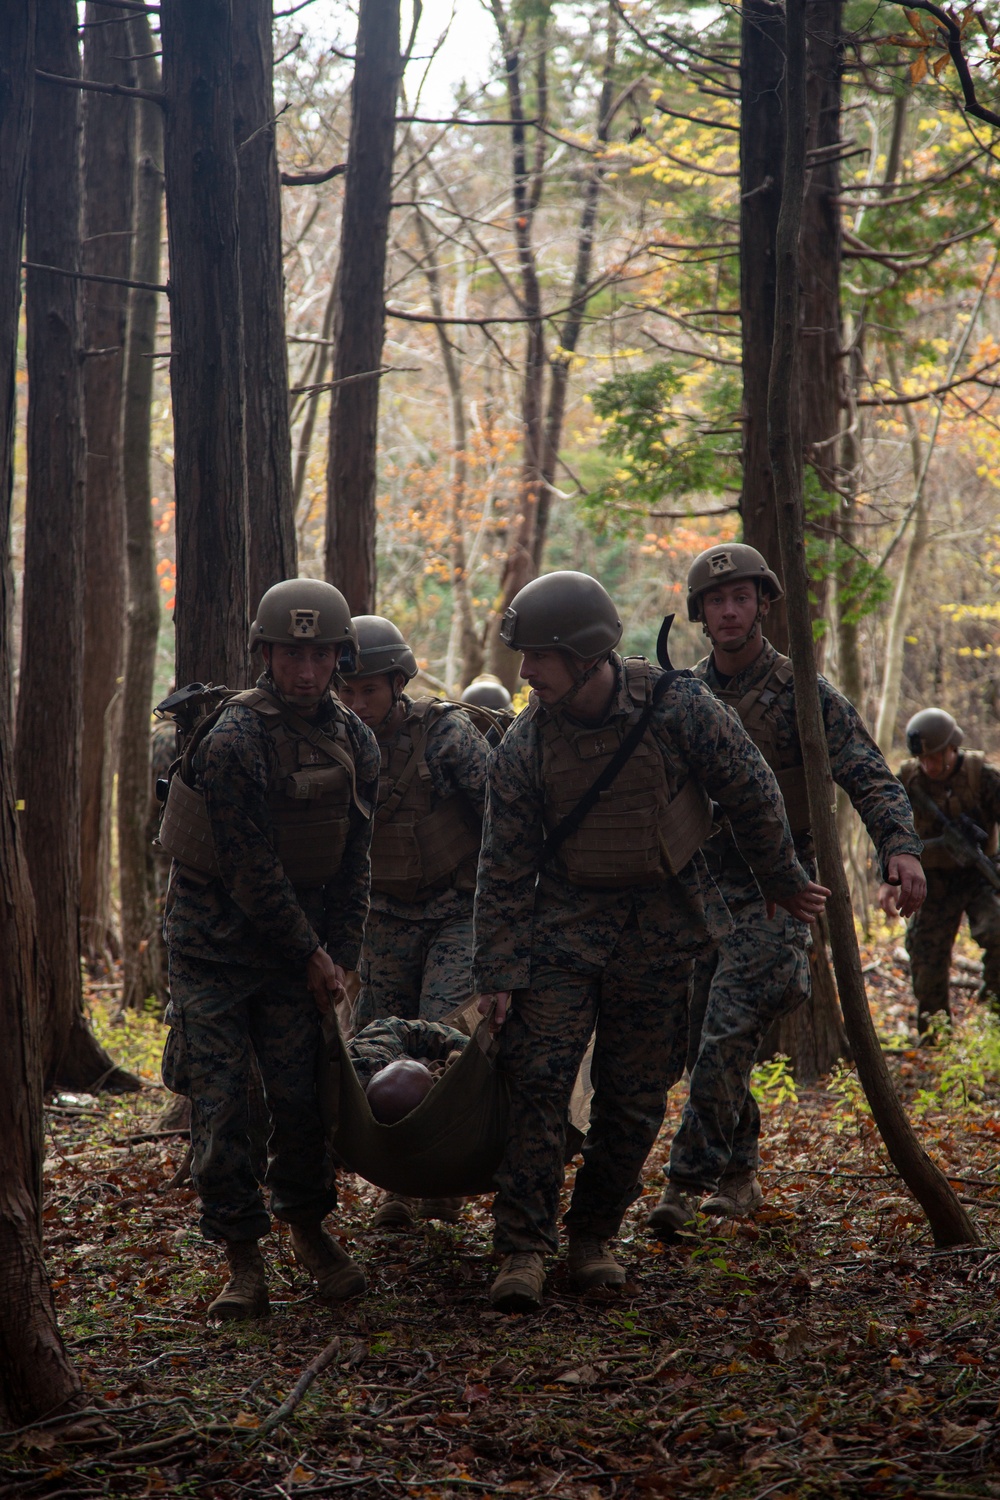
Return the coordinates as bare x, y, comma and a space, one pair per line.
425, 711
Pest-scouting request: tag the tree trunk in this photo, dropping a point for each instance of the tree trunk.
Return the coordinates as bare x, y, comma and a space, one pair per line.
36, 1376
108, 171
569, 334
270, 518
762, 69
359, 320
206, 364
142, 970
949, 1222
49, 708
316, 376
527, 183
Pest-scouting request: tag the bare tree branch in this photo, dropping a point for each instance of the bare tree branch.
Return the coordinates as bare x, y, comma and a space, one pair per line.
101, 88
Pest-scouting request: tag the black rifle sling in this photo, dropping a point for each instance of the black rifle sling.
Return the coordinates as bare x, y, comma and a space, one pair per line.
573, 819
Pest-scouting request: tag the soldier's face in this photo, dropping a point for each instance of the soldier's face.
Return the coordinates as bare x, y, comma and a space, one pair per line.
302, 673
370, 698
730, 610
939, 766
548, 674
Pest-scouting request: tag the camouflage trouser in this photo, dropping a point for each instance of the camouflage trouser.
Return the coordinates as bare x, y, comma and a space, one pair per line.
420, 969
221, 1011
638, 1004
931, 934
758, 973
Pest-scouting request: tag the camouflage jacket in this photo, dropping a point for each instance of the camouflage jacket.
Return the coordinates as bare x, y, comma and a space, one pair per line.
251, 914
521, 912
856, 762
382, 1042
456, 755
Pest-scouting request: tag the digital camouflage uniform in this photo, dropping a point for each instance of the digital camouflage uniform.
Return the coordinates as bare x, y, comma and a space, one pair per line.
385, 1041
951, 890
417, 955
619, 960
760, 970
238, 948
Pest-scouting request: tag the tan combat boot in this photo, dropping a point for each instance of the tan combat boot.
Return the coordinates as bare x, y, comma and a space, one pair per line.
445, 1210
675, 1212
245, 1293
737, 1197
518, 1288
396, 1214
337, 1276
592, 1264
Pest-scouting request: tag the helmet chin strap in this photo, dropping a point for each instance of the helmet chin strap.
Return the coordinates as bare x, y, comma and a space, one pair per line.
398, 690
580, 683
733, 648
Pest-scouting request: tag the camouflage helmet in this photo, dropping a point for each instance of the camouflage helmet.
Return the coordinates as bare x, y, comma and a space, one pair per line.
562, 611
304, 609
931, 730
486, 691
728, 563
381, 648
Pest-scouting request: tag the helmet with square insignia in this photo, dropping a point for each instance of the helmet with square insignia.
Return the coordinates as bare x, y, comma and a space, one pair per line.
728, 563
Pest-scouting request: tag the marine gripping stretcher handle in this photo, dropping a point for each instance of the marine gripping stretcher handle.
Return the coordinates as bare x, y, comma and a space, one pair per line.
962, 846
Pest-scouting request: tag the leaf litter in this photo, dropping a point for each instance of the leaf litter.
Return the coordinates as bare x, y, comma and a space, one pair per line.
823, 1349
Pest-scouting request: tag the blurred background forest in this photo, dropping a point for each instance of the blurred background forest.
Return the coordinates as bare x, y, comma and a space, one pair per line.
632, 232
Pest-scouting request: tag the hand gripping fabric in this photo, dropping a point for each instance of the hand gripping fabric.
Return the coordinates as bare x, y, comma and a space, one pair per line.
449, 1146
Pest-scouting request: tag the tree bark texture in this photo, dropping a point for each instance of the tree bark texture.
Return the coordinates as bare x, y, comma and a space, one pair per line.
49, 708
36, 1376
762, 145
270, 513
206, 364
142, 970
949, 1222
527, 182
359, 319
108, 171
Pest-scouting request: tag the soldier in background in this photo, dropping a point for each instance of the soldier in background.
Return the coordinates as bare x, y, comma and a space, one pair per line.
268, 823
417, 956
593, 901
760, 971
487, 691
966, 789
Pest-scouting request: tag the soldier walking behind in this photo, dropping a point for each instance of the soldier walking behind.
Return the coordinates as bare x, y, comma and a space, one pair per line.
593, 901
966, 791
417, 955
760, 970
268, 821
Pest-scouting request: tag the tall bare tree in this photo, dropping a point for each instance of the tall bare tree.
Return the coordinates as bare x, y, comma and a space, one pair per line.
359, 318
49, 708
108, 171
36, 1376
141, 970
206, 364
270, 513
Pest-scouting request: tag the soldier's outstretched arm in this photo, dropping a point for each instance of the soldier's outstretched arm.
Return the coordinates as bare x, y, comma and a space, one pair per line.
513, 834
858, 765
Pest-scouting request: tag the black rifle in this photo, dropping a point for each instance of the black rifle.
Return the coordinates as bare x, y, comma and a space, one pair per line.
961, 837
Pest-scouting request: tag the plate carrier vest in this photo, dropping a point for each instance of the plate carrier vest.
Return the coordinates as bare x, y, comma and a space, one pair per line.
422, 844
310, 796
636, 834
755, 712
956, 796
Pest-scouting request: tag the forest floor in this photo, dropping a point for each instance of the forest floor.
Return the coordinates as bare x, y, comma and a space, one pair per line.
824, 1349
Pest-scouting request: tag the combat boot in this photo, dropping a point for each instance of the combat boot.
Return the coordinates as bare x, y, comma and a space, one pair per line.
518, 1288
445, 1210
674, 1213
396, 1213
737, 1197
245, 1293
337, 1275
592, 1264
